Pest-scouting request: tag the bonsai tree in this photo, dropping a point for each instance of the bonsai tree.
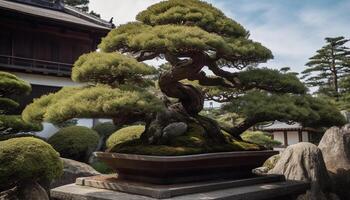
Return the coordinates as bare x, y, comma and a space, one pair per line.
10, 88
190, 36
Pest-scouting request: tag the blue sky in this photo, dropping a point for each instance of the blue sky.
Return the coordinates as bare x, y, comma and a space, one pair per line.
292, 29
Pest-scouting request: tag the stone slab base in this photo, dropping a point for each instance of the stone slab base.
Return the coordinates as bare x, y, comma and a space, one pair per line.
109, 188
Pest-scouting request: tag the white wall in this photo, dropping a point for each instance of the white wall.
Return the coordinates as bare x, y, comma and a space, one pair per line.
50, 129
279, 136
293, 137
46, 80
305, 136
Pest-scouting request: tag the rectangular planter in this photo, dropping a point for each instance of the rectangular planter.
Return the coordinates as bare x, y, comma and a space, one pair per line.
189, 168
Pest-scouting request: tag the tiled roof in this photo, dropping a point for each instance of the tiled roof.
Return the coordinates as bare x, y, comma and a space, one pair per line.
277, 125
67, 14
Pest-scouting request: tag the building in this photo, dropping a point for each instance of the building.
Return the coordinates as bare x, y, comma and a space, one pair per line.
288, 134
41, 39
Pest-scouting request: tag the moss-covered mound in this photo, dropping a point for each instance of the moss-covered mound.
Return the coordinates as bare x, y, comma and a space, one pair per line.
75, 142
193, 142
27, 158
125, 134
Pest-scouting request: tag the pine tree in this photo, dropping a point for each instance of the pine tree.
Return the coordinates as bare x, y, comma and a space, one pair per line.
10, 88
190, 36
330, 64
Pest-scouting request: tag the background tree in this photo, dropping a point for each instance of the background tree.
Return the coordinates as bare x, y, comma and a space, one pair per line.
82, 5
10, 88
190, 36
330, 64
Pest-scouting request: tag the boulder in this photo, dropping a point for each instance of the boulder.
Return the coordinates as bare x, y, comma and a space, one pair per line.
73, 170
335, 147
174, 130
33, 191
304, 162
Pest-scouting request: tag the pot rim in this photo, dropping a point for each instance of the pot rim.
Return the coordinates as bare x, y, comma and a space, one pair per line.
185, 157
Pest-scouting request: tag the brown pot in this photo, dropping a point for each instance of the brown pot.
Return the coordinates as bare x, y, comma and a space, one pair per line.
179, 169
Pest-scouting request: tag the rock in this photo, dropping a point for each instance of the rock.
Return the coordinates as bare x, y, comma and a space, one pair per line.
33, 191
271, 162
304, 162
335, 147
175, 130
73, 170
10, 194
260, 171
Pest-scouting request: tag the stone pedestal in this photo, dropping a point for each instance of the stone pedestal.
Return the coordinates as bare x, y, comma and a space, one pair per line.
110, 188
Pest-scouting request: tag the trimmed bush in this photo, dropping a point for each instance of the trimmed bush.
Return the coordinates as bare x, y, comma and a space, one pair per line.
105, 129
7, 137
27, 159
125, 134
75, 142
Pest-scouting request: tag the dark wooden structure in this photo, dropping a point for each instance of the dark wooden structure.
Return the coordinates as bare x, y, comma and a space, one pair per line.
39, 36
42, 39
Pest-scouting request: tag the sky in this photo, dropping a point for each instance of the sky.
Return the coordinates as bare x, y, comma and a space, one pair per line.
292, 29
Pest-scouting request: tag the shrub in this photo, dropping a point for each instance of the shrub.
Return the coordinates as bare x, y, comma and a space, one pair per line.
27, 159
75, 142
105, 129
7, 137
125, 134
260, 138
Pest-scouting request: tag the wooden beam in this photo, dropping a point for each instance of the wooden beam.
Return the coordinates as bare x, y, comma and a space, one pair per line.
285, 136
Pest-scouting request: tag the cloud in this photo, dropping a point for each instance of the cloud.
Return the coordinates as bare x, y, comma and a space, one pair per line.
122, 11
292, 29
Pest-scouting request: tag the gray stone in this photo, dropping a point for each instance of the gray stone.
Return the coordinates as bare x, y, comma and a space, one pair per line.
260, 171
33, 191
304, 162
280, 190
73, 170
175, 130
335, 147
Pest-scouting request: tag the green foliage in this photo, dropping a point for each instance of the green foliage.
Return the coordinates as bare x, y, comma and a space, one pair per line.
193, 142
26, 158
7, 137
125, 134
105, 129
271, 80
110, 68
11, 124
257, 106
328, 66
75, 142
260, 138
179, 39
98, 101
11, 87
194, 13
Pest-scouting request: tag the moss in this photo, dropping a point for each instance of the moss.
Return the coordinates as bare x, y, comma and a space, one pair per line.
124, 135
7, 137
28, 158
75, 142
192, 142
271, 162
